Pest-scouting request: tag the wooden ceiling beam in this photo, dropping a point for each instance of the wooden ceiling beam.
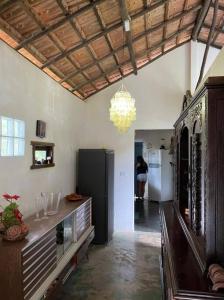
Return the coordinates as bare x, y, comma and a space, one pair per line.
79, 12
114, 27
28, 9
69, 51
145, 3
53, 27
221, 7
200, 19
218, 30
148, 31
181, 20
125, 17
131, 51
65, 12
103, 27
12, 32
140, 54
149, 62
5, 4
166, 17
210, 36
213, 45
81, 45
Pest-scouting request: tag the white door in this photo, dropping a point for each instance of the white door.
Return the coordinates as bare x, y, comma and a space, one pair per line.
167, 176
154, 175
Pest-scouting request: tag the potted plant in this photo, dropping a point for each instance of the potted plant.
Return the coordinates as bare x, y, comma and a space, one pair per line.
12, 226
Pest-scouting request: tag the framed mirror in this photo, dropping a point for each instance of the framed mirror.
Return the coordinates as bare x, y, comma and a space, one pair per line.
42, 155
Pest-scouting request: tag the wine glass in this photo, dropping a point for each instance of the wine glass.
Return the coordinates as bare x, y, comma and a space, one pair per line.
58, 201
44, 198
37, 209
53, 204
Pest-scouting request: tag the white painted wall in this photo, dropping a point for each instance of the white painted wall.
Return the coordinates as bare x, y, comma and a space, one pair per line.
153, 138
217, 68
28, 94
197, 53
158, 90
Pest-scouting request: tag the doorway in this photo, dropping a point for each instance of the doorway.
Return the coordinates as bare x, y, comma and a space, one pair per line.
154, 146
138, 152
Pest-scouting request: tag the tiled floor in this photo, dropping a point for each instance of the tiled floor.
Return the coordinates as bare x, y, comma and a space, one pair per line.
126, 269
147, 216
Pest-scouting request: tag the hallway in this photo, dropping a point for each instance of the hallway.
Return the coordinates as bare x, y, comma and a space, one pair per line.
147, 216
126, 269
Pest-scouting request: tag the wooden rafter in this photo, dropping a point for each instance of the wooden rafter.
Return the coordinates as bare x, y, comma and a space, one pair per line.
103, 33
79, 43
6, 27
217, 30
30, 49
166, 17
72, 23
53, 27
221, 7
146, 64
145, 2
4, 4
139, 55
200, 19
103, 27
51, 36
210, 36
69, 51
181, 20
125, 16
205, 43
148, 31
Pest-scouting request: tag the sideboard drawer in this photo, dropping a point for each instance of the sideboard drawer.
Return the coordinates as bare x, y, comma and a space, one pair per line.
38, 260
83, 218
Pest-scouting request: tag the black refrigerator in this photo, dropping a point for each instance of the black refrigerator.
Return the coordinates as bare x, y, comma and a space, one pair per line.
96, 179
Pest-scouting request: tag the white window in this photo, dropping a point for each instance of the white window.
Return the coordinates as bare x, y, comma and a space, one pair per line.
12, 137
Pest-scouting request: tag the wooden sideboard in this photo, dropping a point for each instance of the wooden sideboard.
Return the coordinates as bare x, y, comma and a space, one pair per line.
53, 246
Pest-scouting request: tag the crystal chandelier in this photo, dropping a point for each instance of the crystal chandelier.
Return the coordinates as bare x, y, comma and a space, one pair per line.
122, 110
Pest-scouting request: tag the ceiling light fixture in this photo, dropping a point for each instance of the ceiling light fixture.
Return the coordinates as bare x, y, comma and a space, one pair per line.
122, 110
127, 26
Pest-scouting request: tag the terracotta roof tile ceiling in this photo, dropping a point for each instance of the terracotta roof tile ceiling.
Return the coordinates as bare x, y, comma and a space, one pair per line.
82, 44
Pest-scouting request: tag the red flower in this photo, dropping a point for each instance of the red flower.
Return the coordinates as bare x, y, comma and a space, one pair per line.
10, 197
7, 197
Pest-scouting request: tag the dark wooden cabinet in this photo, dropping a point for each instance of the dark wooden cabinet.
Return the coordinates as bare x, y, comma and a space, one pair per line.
28, 268
194, 236
182, 274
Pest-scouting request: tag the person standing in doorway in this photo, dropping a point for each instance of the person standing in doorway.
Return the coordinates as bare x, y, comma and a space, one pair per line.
142, 170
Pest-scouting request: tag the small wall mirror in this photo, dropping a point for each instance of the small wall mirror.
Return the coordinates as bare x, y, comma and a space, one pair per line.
43, 155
